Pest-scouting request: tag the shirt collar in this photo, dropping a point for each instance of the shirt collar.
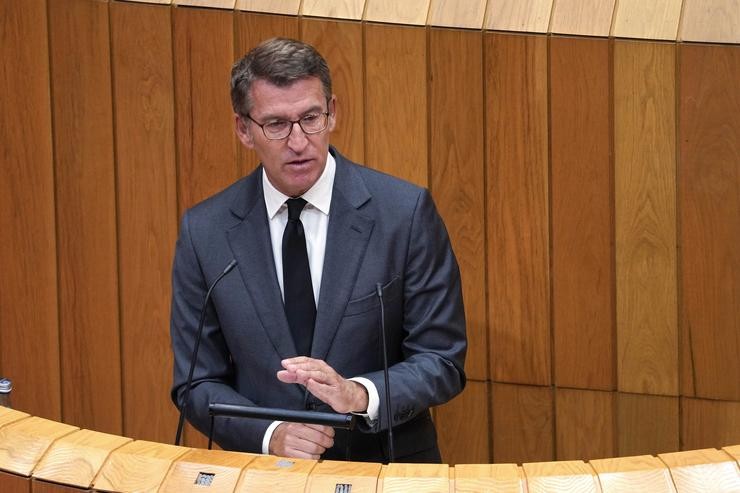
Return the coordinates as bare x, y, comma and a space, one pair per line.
319, 195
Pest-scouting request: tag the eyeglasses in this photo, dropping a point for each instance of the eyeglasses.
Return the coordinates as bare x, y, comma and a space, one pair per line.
312, 123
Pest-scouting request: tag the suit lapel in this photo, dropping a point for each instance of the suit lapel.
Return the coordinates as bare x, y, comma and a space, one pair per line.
346, 242
250, 242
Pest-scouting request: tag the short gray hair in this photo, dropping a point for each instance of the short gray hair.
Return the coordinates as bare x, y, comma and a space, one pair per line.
279, 61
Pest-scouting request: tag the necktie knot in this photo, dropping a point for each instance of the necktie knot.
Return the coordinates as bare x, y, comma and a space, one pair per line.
295, 206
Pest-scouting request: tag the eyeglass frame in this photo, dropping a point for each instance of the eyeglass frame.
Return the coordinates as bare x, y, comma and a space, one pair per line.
326, 115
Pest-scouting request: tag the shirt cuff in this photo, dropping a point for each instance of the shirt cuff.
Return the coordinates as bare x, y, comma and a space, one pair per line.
373, 401
268, 436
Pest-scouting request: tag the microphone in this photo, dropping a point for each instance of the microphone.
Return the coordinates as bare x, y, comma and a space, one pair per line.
194, 357
343, 421
379, 292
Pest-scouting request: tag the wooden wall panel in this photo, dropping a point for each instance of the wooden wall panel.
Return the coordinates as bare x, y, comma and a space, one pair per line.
657, 19
645, 217
581, 186
463, 426
711, 21
206, 143
461, 13
29, 335
646, 424
584, 424
582, 17
396, 101
45, 487
249, 31
523, 423
532, 16
13, 483
141, 43
86, 215
709, 424
709, 201
205, 138
457, 172
341, 45
517, 208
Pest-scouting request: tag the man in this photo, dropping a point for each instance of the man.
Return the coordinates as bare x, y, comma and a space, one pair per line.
317, 346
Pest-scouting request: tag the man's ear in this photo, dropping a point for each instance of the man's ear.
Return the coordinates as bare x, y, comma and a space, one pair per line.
243, 131
332, 108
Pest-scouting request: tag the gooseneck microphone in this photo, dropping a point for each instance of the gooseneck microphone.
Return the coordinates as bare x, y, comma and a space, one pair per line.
194, 357
379, 291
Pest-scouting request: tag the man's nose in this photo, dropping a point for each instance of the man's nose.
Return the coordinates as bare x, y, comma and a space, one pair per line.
297, 139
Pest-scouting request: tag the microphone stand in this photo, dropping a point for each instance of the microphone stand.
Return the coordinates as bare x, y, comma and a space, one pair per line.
194, 357
391, 455
343, 421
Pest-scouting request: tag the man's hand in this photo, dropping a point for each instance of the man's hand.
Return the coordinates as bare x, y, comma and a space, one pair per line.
300, 440
344, 396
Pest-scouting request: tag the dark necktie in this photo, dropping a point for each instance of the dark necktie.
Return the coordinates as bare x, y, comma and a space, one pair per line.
300, 307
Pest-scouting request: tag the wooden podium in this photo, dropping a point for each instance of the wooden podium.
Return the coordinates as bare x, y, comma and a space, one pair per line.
42, 456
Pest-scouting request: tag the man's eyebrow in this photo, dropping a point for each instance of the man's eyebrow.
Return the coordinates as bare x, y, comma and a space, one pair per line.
313, 109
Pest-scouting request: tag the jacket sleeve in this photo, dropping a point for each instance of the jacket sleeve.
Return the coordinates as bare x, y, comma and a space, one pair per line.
214, 372
430, 370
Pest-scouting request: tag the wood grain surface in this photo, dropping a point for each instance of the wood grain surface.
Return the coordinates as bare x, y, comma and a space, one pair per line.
461, 13
647, 20
28, 259
711, 21
26, 441
531, 16
206, 143
582, 17
523, 423
408, 12
703, 470
645, 217
463, 426
457, 171
396, 101
572, 476
640, 473
141, 44
137, 466
334, 9
286, 7
76, 459
646, 424
582, 214
708, 203
709, 423
517, 208
584, 424
87, 233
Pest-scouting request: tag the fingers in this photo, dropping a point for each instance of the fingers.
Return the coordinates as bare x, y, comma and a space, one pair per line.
301, 369
301, 440
324, 383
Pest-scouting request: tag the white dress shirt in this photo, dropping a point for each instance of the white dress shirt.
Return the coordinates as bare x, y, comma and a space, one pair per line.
315, 219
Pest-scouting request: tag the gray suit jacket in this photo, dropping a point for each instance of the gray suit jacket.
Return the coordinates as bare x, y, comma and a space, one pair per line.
381, 230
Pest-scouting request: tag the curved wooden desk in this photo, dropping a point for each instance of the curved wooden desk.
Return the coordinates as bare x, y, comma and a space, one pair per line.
39, 455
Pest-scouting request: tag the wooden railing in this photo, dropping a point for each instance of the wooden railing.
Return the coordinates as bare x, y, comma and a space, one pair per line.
41, 455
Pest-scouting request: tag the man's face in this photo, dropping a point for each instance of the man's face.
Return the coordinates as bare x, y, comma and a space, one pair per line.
295, 163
